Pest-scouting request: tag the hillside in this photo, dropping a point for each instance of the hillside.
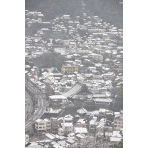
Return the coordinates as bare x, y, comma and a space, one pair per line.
110, 10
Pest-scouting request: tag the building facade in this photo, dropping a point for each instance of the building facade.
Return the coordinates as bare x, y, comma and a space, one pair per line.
43, 125
69, 69
118, 121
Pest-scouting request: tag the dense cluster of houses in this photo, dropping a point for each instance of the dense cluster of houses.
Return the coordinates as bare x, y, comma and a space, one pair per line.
92, 69
70, 131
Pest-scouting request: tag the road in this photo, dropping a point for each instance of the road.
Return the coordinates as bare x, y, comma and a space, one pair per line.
28, 105
41, 105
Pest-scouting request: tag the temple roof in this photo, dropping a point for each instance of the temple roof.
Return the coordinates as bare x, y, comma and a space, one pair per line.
78, 89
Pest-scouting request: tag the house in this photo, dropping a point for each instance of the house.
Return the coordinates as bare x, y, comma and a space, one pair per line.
65, 17
70, 141
106, 101
101, 99
80, 123
68, 118
50, 112
82, 111
57, 100
96, 57
61, 131
109, 76
67, 127
101, 123
80, 130
116, 137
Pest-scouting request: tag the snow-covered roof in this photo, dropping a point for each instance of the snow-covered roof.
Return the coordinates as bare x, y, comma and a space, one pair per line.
80, 130
71, 141
50, 136
68, 118
67, 124
80, 136
47, 120
115, 139
34, 145
62, 143
38, 120
116, 136
82, 121
102, 123
82, 111
57, 97
96, 112
97, 100
73, 91
92, 122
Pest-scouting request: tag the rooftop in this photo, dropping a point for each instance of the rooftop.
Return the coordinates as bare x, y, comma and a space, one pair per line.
57, 97
80, 130
67, 124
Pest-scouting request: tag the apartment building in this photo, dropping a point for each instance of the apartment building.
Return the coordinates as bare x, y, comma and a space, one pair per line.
43, 125
54, 125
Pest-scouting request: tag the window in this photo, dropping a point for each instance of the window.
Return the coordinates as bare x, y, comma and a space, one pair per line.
41, 123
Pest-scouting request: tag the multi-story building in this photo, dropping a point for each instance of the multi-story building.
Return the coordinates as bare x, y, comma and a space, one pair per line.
43, 125
48, 124
67, 128
118, 121
69, 69
40, 125
54, 125
92, 124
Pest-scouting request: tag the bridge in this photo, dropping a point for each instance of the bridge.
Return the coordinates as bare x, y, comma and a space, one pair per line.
41, 98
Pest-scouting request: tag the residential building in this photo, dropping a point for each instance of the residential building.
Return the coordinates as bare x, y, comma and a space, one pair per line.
57, 100
69, 69
48, 124
42, 125
68, 118
92, 124
116, 137
80, 130
61, 131
26, 138
67, 128
54, 125
118, 121
80, 123
109, 76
